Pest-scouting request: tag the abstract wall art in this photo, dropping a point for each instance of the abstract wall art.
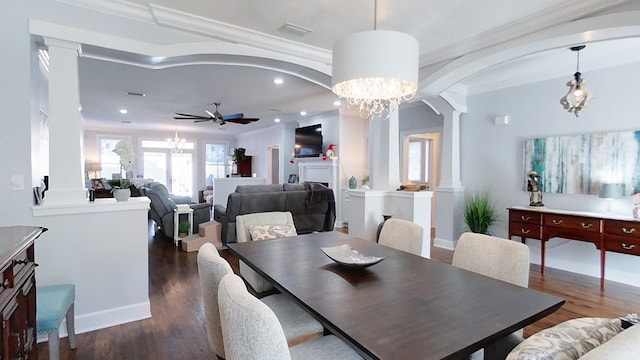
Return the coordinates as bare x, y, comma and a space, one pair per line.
580, 164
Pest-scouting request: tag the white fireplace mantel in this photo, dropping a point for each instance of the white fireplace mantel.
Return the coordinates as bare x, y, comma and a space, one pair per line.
324, 171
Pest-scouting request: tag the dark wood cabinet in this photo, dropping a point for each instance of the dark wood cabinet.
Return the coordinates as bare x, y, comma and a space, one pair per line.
606, 232
244, 167
18, 292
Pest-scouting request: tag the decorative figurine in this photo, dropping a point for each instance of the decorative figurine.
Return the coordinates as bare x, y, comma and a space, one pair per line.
533, 186
353, 183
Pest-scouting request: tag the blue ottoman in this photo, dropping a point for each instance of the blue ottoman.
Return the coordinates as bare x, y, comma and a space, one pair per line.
54, 303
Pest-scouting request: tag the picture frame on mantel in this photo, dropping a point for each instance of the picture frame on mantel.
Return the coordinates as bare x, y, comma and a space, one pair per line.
580, 164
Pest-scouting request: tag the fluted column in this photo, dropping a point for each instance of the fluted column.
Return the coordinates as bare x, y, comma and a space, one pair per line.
66, 168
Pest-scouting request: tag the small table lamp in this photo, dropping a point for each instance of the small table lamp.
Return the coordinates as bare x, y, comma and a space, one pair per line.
95, 168
609, 192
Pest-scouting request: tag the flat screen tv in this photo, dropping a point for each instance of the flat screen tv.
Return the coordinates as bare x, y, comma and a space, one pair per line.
308, 141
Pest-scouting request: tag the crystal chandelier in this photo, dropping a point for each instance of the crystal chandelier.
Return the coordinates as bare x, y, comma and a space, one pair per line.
373, 70
578, 96
176, 144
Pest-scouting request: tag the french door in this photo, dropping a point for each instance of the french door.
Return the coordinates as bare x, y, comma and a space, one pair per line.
174, 170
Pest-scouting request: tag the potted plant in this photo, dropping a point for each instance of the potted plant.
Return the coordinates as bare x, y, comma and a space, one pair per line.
121, 189
239, 154
183, 228
479, 211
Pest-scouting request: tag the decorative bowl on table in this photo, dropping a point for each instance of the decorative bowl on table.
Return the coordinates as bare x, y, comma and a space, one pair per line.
345, 255
412, 187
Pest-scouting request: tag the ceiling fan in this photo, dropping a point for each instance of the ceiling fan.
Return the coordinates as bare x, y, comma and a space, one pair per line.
216, 116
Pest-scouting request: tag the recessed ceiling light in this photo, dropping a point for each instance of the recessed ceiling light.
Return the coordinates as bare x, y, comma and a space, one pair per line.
276, 120
303, 113
123, 111
337, 103
278, 81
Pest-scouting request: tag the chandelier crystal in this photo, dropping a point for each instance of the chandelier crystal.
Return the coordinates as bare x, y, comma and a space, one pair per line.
176, 144
371, 70
577, 98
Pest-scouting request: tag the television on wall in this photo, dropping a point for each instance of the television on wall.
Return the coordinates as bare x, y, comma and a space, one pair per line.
308, 141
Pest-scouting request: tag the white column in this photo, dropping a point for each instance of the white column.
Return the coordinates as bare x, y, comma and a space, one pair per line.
384, 148
66, 168
450, 192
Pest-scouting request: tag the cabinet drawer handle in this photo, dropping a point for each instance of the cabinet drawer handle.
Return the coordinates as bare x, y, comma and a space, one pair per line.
557, 222
586, 226
525, 218
628, 231
628, 247
525, 231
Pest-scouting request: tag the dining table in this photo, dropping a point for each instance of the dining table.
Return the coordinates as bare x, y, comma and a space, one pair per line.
403, 307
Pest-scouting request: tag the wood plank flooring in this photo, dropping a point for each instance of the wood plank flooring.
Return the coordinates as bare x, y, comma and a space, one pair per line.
176, 330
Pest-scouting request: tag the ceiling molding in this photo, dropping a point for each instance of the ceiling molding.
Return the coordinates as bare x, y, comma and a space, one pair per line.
605, 27
114, 7
568, 11
235, 34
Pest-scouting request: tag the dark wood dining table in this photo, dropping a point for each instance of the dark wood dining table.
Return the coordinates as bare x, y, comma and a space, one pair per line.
404, 307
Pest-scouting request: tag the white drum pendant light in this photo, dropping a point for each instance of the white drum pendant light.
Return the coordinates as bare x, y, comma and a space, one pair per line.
373, 69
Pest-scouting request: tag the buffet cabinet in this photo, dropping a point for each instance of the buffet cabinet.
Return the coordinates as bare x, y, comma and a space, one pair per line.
18, 292
606, 232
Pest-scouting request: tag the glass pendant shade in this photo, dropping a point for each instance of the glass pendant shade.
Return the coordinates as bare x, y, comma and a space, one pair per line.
373, 69
578, 96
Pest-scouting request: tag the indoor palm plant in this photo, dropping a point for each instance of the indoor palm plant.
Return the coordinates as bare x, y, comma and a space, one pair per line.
479, 211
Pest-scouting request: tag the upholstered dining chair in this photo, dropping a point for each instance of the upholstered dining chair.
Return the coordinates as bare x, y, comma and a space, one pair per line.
402, 235
251, 330
500, 259
262, 226
297, 324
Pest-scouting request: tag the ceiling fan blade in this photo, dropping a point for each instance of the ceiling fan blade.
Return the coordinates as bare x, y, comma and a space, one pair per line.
243, 121
233, 116
189, 115
190, 118
202, 120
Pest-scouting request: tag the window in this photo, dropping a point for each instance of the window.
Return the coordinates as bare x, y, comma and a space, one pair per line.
172, 168
215, 162
109, 160
418, 160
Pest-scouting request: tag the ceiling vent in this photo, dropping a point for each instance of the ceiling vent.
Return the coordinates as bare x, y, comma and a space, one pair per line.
135, 93
294, 29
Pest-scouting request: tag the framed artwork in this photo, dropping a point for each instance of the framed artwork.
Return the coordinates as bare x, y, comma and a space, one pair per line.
292, 178
580, 164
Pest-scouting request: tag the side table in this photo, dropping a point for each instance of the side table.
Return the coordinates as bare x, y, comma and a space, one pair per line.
181, 209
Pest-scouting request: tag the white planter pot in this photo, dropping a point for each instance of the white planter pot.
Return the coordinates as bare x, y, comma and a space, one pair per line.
122, 194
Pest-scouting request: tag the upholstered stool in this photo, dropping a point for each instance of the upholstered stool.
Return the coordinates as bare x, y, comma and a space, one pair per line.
53, 303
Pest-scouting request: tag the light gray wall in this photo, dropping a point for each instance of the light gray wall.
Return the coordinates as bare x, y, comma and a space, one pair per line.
492, 155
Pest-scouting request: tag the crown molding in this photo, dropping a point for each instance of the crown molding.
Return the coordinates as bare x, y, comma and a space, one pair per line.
114, 7
566, 12
235, 34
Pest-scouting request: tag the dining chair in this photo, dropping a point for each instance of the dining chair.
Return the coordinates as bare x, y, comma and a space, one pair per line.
500, 259
402, 235
251, 330
262, 226
297, 324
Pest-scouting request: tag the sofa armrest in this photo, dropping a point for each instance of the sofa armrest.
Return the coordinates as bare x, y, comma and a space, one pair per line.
181, 199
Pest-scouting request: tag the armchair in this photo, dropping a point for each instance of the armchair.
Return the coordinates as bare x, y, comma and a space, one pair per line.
163, 206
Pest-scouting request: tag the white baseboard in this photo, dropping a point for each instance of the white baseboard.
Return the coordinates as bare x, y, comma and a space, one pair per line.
106, 318
445, 244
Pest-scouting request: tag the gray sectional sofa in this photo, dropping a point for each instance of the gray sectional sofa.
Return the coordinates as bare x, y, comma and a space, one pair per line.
312, 206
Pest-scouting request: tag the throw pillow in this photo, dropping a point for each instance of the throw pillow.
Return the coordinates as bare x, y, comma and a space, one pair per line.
568, 340
266, 232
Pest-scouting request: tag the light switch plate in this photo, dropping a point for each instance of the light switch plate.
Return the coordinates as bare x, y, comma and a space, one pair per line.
17, 182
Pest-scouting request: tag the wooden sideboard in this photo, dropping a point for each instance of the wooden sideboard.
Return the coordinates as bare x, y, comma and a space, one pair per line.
18, 292
607, 232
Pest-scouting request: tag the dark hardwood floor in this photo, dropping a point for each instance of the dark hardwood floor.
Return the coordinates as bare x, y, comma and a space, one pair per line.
176, 329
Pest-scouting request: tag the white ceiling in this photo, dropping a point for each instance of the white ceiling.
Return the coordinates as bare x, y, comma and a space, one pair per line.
446, 30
